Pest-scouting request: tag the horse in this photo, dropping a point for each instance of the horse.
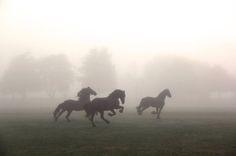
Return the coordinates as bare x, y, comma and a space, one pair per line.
157, 102
108, 103
74, 105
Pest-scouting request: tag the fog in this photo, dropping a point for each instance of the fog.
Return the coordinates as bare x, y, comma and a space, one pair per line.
51, 49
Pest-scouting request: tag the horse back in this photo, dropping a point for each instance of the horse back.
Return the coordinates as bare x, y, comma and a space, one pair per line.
148, 101
70, 101
72, 104
99, 104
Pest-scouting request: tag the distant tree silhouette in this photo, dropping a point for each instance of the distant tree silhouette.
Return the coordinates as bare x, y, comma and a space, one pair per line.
98, 71
220, 80
186, 77
21, 77
56, 74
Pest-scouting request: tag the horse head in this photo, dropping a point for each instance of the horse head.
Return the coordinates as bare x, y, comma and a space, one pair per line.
167, 93
118, 94
122, 96
91, 91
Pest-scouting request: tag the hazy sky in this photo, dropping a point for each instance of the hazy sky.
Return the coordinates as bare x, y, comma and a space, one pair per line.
134, 31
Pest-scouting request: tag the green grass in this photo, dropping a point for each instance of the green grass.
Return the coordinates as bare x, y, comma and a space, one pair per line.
177, 133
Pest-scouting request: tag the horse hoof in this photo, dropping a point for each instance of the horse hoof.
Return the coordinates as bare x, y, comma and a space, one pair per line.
153, 112
121, 111
110, 114
139, 113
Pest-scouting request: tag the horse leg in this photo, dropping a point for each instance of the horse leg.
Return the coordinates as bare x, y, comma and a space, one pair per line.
92, 119
156, 111
121, 109
102, 117
62, 111
113, 112
68, 114
142, 109
159, 112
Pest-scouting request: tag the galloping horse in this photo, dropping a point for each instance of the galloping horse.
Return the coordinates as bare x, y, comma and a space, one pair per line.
157, 102
74, 105
105, 104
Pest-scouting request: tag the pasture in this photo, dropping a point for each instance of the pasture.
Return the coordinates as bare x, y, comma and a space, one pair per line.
186, 132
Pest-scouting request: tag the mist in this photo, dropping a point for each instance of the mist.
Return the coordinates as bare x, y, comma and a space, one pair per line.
47, 52
155, 77
54, 78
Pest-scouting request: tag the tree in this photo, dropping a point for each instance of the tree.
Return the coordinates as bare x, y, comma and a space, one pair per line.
98, 71
56, 74
187, 78
21, 77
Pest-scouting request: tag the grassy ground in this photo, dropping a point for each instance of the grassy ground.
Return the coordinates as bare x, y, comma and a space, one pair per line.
177, 133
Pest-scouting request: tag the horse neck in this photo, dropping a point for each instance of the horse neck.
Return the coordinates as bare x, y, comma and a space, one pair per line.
161, 96
113, 97
85, 98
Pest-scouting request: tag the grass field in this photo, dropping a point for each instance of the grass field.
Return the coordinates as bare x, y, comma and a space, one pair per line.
177, 133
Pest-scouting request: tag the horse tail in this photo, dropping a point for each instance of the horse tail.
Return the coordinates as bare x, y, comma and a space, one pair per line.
57, 110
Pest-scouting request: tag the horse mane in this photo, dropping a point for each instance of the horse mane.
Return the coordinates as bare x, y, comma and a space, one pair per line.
162, 93
82, 90
114, 93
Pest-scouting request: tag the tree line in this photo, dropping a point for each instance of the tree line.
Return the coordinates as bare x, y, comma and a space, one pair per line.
189, 80
54, 74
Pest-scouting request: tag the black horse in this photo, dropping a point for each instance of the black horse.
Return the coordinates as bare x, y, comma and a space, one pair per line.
157, 102
74, 105
105, 104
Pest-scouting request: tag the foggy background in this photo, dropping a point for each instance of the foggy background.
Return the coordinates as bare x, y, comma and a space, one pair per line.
49, 50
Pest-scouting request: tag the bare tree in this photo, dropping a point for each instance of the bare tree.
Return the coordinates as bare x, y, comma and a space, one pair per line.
98, 71
56, 74
187, 78
21, 77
